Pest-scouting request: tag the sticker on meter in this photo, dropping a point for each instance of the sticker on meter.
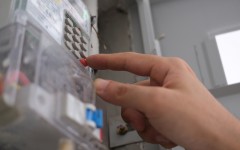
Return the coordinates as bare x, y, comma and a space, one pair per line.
50, 15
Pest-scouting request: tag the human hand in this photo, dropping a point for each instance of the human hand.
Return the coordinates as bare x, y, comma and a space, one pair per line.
171, 107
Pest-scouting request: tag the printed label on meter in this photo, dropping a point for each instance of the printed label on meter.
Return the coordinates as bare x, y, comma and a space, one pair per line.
50, 14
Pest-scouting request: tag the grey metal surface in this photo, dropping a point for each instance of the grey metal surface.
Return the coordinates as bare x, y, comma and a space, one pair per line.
116, 140
5, 6
186, 23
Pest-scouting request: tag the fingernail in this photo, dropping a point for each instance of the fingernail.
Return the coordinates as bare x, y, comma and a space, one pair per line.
100, 85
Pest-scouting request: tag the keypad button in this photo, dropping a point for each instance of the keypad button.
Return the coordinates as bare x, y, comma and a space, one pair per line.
69, 22
68, 37
77, 31
76, 54
68, 45
83, 47
76, 46
82, 54
68, 29
83, 39
76, 39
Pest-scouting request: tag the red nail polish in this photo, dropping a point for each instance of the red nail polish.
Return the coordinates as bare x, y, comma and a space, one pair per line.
84, 62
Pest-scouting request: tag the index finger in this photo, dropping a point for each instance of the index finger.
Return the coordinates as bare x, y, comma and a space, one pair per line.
140, 64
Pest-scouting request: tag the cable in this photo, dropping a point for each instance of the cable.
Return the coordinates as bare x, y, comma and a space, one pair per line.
105, 45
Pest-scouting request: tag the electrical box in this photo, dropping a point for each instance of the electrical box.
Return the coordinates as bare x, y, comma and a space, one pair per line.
47, 96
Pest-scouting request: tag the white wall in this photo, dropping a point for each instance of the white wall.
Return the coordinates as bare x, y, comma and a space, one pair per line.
186, 24
5, 6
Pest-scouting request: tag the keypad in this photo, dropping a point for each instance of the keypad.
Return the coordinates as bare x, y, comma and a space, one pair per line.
74, 39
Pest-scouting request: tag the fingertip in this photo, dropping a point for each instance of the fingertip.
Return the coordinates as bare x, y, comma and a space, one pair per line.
84, 62
89, 59
96, 61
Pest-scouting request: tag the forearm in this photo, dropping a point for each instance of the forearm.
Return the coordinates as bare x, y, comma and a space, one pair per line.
219, 134
230, 135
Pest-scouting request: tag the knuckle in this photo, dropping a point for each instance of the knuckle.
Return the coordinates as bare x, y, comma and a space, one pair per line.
178, 61
119, 91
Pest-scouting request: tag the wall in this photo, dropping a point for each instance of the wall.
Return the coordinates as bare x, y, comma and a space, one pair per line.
186, 24
4, 12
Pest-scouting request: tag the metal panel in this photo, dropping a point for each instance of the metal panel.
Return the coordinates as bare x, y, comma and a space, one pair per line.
151, 45
5, 11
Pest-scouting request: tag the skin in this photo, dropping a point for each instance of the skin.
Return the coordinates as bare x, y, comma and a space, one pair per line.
172, 107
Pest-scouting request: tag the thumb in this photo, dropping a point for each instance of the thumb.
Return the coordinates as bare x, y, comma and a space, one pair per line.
141, 98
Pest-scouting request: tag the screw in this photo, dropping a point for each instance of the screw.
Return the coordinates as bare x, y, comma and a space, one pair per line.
122, 129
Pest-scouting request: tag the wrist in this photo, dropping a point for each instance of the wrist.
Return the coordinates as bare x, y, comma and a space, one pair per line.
230, 136
218, 131
225, 134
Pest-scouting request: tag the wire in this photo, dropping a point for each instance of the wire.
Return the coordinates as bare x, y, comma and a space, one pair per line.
105, 45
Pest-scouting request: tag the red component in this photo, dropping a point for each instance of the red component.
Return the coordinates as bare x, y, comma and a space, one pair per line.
84, 62
101, 135
15, 76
